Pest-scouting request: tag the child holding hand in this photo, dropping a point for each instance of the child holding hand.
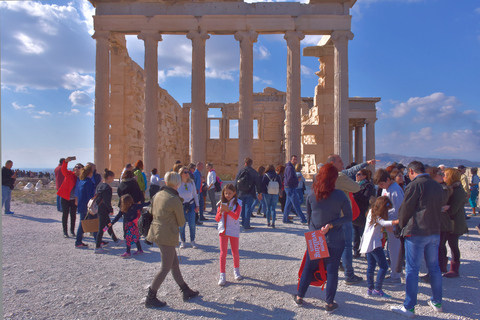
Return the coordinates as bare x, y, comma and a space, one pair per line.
229, 229
371, 244
130, 212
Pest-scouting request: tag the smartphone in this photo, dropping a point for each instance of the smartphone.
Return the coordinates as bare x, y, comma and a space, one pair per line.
73, 158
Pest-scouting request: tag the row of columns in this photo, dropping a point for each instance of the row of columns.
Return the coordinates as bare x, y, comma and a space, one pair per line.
357, 129
199, 111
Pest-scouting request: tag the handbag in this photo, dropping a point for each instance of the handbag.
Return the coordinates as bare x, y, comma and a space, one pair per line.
90, 225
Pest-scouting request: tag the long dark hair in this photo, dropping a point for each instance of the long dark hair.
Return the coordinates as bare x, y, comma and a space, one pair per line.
380, 209
230, 187
325, 181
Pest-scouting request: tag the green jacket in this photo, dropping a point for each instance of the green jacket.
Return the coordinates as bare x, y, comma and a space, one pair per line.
168, 216
457, 209
141, 182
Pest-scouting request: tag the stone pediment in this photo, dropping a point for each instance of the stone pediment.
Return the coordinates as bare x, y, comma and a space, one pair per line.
94, 2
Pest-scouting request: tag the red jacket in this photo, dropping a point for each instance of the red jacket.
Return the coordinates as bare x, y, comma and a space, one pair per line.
68, 183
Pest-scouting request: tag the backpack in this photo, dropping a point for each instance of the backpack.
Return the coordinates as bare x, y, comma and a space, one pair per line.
145, 220
218, 184
319, 276
244, 182
92, 205
273, 186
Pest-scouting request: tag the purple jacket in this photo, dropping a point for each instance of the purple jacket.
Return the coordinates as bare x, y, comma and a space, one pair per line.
290, 178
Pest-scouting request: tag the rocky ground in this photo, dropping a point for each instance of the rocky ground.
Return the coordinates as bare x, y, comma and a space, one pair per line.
45, 277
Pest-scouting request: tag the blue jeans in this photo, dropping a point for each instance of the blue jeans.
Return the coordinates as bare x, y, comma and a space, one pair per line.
331, 266
375, 257
80, 232
270, 203
190, 218
347, 255
300, 194
262, 205
292, 200
6, 197
416, 248
59, 203
247, 201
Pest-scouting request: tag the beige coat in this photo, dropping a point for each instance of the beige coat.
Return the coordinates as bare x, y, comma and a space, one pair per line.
167, 211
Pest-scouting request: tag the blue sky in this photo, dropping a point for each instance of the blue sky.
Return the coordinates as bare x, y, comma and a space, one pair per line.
420, 57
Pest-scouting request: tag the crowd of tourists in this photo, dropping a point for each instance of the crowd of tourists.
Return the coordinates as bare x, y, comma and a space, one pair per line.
396, 217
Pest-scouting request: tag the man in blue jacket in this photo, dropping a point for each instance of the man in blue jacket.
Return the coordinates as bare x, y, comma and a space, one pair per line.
290, 183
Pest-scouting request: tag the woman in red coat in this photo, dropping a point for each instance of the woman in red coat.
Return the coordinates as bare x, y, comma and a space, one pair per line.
67, 194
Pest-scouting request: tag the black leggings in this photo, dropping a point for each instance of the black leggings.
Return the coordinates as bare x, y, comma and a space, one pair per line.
452, 240
104, 220
68, 206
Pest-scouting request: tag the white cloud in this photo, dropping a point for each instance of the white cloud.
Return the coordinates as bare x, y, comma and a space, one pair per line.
41, 43
311, 40
306, 71
28, 45
80, 98
76, 81
423, 105
89, 113
19, 107
88, 11
43, 113
477, 10
219, 74
470, 112
258, 79
75, 111
260, 52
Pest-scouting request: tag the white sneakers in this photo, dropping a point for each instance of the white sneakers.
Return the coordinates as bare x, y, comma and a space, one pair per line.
403, 311
222, 280
182, 245
236, 273
194, 245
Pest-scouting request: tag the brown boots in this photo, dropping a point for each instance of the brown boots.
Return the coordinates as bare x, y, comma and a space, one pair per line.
454, 267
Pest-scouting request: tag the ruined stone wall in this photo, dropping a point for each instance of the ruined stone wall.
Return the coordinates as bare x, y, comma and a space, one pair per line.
126, 117
269, 111
318, 124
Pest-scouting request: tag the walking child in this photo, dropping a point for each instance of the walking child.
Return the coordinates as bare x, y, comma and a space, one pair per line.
130, 212
229, 229
371, 244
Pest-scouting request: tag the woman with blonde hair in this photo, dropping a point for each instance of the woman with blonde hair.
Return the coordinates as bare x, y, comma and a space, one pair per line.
456, 211
168, 216
188, 192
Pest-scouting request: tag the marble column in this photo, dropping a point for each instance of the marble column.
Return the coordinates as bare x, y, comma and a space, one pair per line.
293, 142
370, 141
199, 110
245, 102
359, 143
350, 145
341, 105
102, 99
150, 119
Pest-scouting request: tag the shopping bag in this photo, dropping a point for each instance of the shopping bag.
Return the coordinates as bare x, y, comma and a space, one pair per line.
316, 245
90, 225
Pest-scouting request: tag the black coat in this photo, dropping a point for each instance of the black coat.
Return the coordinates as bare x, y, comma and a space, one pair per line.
362, 198
130, 187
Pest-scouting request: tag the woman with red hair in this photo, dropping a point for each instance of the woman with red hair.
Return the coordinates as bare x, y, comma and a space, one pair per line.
325, 205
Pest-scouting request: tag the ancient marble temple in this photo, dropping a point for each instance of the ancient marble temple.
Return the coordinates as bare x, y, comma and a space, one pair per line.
136, 119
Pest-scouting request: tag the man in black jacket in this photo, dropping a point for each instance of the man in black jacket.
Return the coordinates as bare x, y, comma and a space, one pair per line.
248, 184
8, 179
420, 223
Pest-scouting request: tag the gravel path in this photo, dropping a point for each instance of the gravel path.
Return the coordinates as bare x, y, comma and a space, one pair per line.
45, 277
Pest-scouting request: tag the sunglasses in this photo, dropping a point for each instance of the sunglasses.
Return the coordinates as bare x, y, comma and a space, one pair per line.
185, 172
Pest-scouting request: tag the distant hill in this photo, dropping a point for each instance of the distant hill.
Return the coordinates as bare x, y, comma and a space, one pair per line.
387, 159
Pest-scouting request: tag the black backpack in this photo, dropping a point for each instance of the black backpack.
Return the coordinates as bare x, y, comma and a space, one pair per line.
244, 182
145, 219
